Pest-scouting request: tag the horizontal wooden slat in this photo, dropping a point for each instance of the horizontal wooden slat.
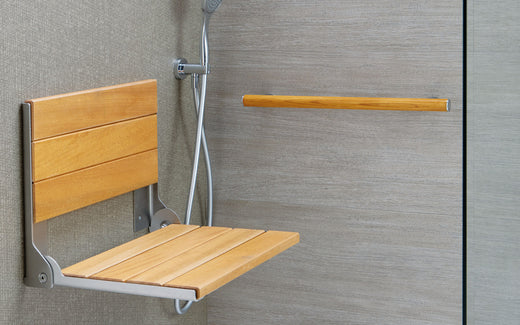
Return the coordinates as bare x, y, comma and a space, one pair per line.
219, 271
160, 254
195, 257
68, 192
66, 153
75, 111
123, 252
365, 103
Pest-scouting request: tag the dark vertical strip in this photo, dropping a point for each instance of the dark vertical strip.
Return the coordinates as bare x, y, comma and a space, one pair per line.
464, 158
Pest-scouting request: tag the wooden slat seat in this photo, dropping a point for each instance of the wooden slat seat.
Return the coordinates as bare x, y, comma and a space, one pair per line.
197, 258
89, 146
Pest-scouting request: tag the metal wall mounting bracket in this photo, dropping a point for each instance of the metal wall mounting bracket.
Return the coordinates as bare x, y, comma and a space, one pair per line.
182, 69
149, 211
120, 287
38, 272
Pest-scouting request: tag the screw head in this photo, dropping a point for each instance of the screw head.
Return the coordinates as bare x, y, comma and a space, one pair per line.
42, 277
164, 224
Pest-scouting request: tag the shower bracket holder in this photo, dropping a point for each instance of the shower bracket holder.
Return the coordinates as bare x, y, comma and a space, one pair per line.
181, 68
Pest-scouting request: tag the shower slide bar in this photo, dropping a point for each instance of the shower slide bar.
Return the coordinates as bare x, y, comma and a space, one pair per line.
364, 103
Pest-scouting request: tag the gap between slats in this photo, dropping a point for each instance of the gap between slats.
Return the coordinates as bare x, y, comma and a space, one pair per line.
226, 267
65, 193
183, 263
127, 250
95, 127
65, 113
115, 160
147, 260
78, 150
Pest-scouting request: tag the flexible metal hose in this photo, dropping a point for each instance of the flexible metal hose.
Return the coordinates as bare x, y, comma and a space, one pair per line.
199, 101
199, 106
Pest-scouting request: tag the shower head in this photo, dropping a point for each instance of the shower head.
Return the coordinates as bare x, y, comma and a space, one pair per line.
209, 6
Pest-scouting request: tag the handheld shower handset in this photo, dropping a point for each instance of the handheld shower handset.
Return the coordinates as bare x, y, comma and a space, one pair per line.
181, 67
209, 6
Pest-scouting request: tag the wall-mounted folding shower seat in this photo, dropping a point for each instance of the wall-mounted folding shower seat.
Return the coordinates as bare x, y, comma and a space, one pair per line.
85, 147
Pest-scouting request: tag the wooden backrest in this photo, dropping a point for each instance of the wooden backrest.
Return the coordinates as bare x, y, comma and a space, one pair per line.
92, 145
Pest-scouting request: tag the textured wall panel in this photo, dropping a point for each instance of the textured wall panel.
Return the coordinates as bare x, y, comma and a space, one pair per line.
53, 47
493, 167
375, 195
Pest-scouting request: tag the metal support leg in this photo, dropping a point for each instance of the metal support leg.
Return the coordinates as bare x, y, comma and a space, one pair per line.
38, 272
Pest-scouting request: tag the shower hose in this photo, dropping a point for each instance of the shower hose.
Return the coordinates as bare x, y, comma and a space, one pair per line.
199, 96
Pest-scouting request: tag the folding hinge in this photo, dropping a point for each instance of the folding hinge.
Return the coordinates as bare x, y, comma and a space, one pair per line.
149, 211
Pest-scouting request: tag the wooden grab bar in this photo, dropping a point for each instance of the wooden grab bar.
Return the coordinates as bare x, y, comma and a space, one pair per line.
370, 103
